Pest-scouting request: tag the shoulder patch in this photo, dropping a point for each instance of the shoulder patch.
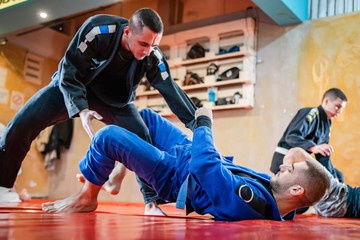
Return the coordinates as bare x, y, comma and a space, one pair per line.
161, 65
312, 114
104, 29
158, 54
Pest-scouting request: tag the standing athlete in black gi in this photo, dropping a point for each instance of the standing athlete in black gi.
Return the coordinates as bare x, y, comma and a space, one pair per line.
310, 130
97, 79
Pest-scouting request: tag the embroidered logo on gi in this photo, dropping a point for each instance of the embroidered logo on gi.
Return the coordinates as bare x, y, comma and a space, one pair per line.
312, 114
161, 65
246, 193
256, 202
95, 31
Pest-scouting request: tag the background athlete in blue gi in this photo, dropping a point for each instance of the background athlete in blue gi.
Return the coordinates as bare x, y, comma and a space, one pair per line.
310, 130
194, 173
97, 79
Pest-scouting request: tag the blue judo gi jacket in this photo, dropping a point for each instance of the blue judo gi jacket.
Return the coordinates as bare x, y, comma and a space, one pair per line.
216, 190
183, 171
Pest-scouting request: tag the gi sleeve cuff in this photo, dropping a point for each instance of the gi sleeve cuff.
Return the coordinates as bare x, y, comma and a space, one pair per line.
203, 121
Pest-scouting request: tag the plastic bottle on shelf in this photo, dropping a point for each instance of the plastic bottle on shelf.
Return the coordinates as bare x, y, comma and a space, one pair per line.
211, 95
237, 97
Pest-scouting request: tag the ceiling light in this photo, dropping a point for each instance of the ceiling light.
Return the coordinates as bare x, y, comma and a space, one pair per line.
43, 14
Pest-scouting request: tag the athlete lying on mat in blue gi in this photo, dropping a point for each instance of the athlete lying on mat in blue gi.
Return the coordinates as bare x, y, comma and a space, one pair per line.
193, 173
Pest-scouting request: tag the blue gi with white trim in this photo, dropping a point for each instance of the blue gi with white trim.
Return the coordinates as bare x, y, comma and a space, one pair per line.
219, 187
309, 127
95, 73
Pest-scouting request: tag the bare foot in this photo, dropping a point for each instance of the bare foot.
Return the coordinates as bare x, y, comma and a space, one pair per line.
24, 195
153, 209
72, 204
85, 201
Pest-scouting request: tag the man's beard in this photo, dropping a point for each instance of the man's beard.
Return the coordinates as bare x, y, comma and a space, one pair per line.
277, 187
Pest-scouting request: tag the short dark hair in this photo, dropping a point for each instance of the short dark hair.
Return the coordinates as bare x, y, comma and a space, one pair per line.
315, 182
146, 17
334, 93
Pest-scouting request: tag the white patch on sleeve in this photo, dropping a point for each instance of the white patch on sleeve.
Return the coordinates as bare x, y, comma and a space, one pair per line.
112, 28
82, 47
158, 54
95, 31
164, 75
91, 35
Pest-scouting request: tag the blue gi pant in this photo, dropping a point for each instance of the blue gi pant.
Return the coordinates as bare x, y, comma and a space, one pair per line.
164, 165
46, 108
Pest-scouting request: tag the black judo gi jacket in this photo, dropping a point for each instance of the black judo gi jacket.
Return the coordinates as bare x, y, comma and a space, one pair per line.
89, 53
309, 127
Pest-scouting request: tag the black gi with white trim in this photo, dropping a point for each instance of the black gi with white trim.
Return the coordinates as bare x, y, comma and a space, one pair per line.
309, 127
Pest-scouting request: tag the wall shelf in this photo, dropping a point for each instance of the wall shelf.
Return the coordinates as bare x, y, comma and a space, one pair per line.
227, 35
232, 82
211, 57
242, 105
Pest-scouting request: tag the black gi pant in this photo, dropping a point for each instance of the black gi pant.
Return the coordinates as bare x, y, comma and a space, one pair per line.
46, 108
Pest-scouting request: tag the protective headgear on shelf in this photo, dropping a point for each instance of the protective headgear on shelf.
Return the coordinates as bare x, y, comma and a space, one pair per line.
231, 73
221, 101
212, 69
192, 78
196, 51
